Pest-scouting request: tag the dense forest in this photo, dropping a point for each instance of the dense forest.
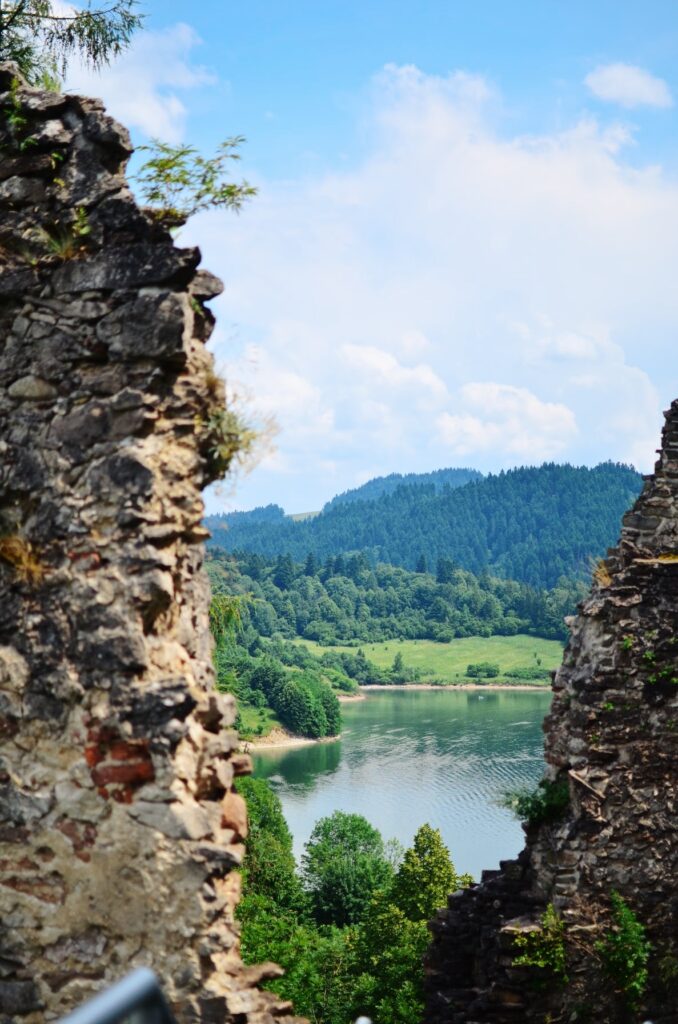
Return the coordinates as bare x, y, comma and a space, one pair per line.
347, 601
350, 927
533, 525
439, 479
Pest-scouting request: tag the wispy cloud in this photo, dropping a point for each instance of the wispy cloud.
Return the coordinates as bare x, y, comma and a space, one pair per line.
628, 85
144, 87
507, 419
458, 290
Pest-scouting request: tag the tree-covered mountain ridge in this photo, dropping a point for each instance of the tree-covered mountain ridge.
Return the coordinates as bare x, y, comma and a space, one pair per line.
531, 524
380, 485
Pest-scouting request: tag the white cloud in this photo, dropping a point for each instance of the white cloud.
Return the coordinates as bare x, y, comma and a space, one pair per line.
142, 87
384, 370
508, 421
455, 252
628, 85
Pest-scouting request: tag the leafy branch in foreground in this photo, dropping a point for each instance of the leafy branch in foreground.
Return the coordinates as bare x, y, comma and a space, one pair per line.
177, 182
41, 37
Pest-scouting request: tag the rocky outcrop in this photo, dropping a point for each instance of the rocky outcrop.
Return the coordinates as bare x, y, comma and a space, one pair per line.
612, 738
119, 826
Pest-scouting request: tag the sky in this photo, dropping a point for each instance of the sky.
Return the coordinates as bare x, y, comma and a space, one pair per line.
464, 247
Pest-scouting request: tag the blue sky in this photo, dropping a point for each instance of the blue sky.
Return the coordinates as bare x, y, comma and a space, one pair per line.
464, 247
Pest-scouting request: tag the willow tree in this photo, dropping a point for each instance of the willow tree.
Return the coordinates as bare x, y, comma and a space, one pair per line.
42, 37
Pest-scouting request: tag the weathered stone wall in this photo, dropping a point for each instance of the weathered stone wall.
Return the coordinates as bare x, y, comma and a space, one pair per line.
613, 735
119, 827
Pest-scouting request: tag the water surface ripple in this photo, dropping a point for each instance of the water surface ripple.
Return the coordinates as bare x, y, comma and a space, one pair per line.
413, 756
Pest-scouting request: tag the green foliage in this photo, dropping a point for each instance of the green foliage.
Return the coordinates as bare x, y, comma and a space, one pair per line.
624, 953
343, 865
439, 479
388, 983
544, 948
225, 614
400, 672
270, 870
178, 182
528, 673
67, 241
426, 877
547, 803
318, 964
14, 116
226, 440
303, 702
334, 974
482, 670
534, 525
42, 37
364, 603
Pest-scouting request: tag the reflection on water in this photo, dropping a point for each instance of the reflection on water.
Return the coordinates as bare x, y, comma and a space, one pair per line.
285, 767
406, 757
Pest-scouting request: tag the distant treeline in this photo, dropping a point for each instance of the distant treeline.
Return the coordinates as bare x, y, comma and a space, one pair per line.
346, 600
439, 479
533, 525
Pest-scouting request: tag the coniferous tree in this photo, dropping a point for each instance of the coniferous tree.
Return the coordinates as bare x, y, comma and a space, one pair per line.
311, 565
426, 876
42, 37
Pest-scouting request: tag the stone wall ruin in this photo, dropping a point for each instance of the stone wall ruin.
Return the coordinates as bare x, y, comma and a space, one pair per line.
119, 826
612, 735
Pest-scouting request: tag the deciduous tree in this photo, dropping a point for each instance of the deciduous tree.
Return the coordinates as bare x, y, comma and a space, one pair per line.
343, 866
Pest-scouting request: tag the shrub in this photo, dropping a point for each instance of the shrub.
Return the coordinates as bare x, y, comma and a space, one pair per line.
548, 802
545, 948
482, 670
624, 952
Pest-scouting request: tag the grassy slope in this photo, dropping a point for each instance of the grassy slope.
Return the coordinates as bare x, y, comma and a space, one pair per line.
256, 721
449, 661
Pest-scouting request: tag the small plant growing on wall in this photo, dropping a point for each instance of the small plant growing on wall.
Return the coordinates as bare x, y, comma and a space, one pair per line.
624, 952
19, 556
547, 803
178, 182
544, 948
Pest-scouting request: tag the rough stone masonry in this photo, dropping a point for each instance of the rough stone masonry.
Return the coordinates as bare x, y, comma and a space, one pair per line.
119, 826
612, 737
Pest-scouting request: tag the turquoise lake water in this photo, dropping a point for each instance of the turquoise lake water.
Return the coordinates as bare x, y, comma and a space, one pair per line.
407, 757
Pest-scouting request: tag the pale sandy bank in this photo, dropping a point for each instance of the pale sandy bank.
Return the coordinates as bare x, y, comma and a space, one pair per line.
282, 738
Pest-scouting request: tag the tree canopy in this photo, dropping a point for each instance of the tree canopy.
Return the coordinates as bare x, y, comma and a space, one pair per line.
337, 971
426, 876
345, 863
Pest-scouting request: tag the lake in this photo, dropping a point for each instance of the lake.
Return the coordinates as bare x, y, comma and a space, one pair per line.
407, 757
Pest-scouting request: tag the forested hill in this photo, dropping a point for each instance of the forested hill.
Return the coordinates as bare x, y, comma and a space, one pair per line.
380, 485
532, 524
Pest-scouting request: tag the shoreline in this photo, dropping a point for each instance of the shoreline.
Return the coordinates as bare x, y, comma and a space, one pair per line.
278, 739
524, 687
282, 738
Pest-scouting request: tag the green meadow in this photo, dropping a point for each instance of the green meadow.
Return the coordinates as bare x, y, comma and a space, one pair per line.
447, 662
